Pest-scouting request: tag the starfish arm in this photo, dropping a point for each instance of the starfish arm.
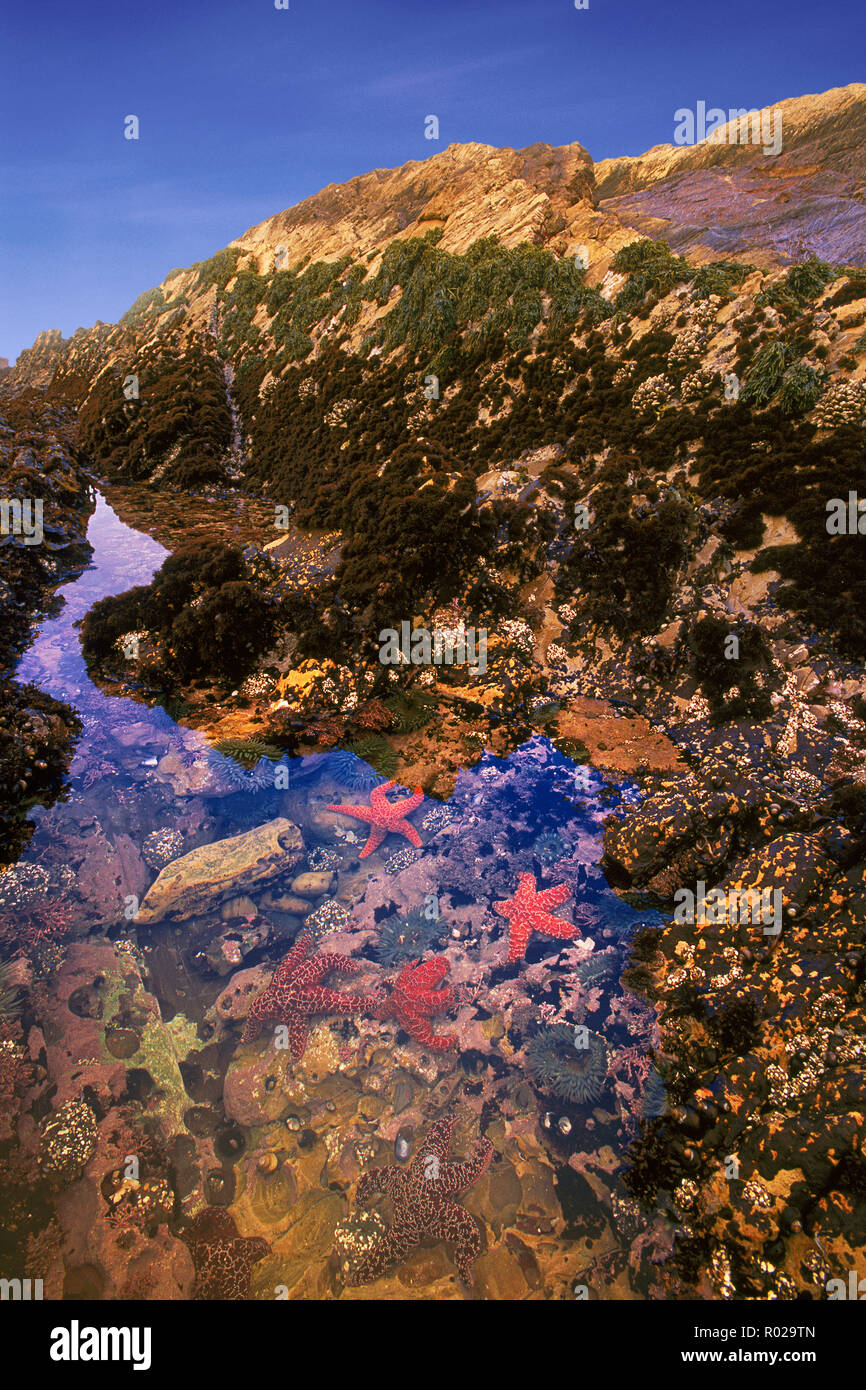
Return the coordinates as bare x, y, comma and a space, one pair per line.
412, 802
518, 939
502, 908
428, 974
334, 1003
436, 1001
437, 1042
298, 1030
552, 897
379, 795
319, 966
357, 813
456, 1177
454, 1223
556, 926
375, 1180
436, 1143
383, 1009
290, 963
404, 828
210, 1225
252, 1028
377, 835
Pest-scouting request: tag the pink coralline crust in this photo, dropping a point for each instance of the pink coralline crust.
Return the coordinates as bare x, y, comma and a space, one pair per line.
385, 817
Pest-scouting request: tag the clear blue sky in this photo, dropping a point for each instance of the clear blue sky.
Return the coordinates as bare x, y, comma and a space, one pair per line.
246, 109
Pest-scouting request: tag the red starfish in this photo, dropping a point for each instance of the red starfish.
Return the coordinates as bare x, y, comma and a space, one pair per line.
295, 994
384, 816
415, 999
528, 911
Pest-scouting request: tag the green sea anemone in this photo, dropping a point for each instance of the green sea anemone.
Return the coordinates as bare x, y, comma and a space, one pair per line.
378, 752
563, 1069
351, 771
408, 936
411, 711
248, 751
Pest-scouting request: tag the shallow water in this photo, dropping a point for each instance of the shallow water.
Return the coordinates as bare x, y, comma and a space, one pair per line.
142, 789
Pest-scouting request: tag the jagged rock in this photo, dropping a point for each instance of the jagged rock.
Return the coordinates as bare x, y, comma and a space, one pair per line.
202, 879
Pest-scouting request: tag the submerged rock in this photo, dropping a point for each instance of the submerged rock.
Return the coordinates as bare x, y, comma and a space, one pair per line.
200, 880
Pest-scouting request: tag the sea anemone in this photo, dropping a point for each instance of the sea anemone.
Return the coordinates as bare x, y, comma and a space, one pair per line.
406, 937
378, 752
597, 967
10, 999
654, 1101
548, 847
246, 779
411, 711
571, 1073
351, 771
248, 751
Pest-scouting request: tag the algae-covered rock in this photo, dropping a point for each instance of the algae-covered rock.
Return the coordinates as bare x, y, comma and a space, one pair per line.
258, 1087
225, 869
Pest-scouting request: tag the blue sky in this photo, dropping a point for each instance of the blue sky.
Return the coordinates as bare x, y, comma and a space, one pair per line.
245, 109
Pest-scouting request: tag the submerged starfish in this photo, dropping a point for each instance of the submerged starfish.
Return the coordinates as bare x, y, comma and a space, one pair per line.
384, 816
529, 911
421, 1198
223, 1260
294, 994
414, 1000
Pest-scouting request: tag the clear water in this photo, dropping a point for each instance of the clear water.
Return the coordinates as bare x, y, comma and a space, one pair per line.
552, 1211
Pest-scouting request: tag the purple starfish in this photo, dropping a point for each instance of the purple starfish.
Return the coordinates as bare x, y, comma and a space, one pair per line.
294, 995
421, 1200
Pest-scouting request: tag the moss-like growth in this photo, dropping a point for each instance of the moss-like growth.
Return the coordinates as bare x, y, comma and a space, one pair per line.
207, 618
720, 277
180, 423
732, 674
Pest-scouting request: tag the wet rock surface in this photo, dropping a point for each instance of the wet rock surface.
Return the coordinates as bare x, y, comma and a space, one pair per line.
225, 868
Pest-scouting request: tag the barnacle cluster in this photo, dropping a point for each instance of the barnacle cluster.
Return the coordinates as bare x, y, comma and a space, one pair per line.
68, 1140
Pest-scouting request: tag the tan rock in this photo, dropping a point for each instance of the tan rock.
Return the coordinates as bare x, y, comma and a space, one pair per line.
312, 885
286, 902
498, 1276
200, 880
242, 906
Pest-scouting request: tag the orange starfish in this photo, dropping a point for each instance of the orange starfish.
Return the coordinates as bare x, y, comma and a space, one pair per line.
528, 911
384, 817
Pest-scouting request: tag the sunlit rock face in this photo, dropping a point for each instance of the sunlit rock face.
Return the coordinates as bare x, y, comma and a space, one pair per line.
725, 197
